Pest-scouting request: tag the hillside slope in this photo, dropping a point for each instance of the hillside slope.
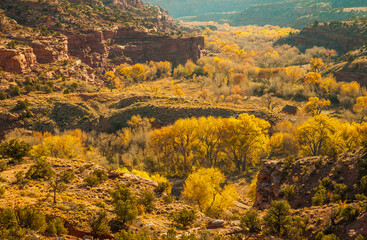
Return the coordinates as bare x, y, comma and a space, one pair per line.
299, 13
178, 8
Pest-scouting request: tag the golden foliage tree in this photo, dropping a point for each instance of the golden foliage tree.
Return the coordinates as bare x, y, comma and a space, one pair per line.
244, 138
316, 64
203, 188
315, 105
361, 107
318, 135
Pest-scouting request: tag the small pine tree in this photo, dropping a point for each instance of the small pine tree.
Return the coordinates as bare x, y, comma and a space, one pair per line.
277, 217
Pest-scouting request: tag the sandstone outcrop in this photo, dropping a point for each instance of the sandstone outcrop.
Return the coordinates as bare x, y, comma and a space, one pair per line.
50, 49
18, 60
304, 175
133, 46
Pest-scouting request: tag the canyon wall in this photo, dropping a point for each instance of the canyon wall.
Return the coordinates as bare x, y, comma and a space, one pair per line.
129, 45
98, 48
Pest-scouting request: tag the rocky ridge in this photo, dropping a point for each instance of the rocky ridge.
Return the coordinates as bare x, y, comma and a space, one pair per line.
305, 175
100, 46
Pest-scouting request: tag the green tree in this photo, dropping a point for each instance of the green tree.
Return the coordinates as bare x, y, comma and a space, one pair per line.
125, 204
184, 217
251, 222
59, 182
99, 223
277, 217
14, 149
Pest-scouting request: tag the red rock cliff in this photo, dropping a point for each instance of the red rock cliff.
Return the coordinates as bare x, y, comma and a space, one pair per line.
129, 45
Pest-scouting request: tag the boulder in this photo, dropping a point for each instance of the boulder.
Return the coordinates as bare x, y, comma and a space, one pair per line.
217, 223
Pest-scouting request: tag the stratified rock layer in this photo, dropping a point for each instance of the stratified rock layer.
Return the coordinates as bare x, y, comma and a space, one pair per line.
17, 60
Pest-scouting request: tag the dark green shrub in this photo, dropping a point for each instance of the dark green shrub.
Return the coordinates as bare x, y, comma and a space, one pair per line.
67, 176
126, 211
125, 205
163, 187
31, 218
340, 192
56, 226
2, 191
319, 236
99, 224
277, 217
3, 166
20, 176
251, 222
288, 191
21, 105
349, 213
148, 200
19, 83
14, 149
14, 233
12, 44
298, 227
364, 185
96, 178
47, 89
29, 88
14, 90
8, 219
319, 198
40, 170
3, 95
330, 237
184, 218
167, 198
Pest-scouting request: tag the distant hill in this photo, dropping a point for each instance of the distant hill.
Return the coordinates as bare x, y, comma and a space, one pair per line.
183, 8
299, 13
293, 13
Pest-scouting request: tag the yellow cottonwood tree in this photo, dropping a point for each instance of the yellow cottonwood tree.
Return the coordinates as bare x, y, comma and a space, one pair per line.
313, 78
353, 135
316, 64
318, 135
203, 188
315, 105
244, 138
361, 107
185, 140
210, 136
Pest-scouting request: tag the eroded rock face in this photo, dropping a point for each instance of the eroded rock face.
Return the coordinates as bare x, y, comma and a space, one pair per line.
304, 175
88, 46
49, 50
17, 60
129, 45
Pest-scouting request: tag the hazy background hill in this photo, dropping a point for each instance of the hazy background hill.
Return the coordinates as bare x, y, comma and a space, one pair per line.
298, 13
295, 13
182, 8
